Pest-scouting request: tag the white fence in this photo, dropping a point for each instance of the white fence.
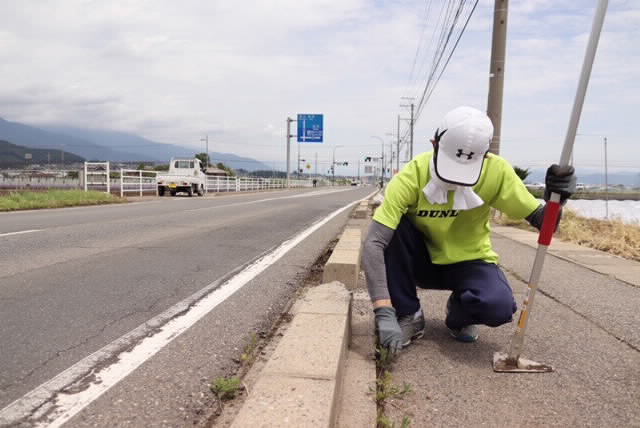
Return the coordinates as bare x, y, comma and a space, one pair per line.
96, 176
39, 179
246, 184
137, 181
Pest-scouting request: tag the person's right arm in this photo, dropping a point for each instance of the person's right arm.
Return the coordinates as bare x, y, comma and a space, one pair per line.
401, 193
374, 245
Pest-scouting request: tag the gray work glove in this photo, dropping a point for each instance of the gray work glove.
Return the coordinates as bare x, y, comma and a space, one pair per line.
561, 180
389, 332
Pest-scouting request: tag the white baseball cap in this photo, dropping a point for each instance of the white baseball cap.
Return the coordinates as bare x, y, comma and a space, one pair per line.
463, 140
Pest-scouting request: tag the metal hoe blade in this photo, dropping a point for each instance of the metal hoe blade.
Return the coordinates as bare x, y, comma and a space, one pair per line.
502, 363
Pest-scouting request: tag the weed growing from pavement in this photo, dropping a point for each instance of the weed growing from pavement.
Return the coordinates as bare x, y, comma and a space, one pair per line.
386, 389
383, 421
249, 353
384, 359
226, 388
258, 341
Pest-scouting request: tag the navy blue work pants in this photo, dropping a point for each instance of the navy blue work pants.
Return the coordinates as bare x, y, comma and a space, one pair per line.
480, 291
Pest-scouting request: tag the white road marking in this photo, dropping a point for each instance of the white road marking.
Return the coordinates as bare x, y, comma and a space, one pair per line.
56, 400
257, 201
20, 233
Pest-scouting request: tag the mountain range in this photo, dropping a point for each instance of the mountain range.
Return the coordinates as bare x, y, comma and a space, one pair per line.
14, 156
107, 145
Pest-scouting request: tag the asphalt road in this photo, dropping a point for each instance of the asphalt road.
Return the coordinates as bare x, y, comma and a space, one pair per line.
80, 278
583, 323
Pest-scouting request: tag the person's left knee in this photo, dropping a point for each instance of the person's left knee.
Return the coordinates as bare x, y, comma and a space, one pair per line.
500, 309
493, 310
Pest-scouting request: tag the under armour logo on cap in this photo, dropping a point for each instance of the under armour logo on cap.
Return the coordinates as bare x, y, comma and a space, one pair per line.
468, 155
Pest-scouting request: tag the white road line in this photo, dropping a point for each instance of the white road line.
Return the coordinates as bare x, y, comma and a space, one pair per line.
20, 233
257, 201
55, 400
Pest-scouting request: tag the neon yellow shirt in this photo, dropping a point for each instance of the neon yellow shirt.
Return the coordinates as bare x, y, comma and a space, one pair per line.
453, 236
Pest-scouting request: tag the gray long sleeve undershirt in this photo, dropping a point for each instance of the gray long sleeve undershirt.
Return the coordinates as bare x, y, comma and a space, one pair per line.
375, 243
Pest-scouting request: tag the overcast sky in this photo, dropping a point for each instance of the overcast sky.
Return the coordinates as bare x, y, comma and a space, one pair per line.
173, 71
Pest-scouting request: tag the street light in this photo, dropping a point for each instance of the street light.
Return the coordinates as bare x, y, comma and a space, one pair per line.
382, 158
206, 138
391, 153
606, 172
333, 166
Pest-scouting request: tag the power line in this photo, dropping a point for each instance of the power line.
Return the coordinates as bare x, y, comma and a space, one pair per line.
418, 48
446, 28
453, 49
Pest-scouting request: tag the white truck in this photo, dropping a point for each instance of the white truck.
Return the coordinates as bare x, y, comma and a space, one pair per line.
185, 175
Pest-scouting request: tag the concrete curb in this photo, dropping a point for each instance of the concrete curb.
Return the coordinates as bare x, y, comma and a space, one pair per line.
344, 263
301, 382
362, 210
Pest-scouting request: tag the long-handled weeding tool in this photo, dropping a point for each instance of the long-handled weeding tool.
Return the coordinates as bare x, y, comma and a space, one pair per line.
513, 362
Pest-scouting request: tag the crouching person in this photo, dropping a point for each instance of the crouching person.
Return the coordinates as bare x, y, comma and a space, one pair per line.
432, 231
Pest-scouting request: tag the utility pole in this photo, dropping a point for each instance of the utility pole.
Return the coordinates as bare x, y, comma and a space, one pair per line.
398, 147
289, 120
382, 161
496, 71
411, 123
316, 164
391, 160
606, 181
333, 166
411, 135
206, 138
358, 169
298, 170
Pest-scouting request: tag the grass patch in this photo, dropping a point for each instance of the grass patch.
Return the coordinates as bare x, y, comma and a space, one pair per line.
226, 388
248, 356
55, 199
611, 236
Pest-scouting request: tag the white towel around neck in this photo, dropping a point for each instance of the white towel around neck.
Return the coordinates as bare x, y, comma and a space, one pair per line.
437, 192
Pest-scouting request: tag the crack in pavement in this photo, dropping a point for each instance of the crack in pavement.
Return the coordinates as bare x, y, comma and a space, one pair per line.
580, 314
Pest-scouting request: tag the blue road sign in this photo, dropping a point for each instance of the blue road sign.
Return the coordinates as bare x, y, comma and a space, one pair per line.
310, 128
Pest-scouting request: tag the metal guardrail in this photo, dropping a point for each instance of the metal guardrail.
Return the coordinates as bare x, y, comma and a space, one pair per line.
138, 181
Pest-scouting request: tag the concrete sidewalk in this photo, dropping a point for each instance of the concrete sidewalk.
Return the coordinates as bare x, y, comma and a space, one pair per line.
584, 323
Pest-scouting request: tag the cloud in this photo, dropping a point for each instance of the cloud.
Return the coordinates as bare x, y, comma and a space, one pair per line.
173, 71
